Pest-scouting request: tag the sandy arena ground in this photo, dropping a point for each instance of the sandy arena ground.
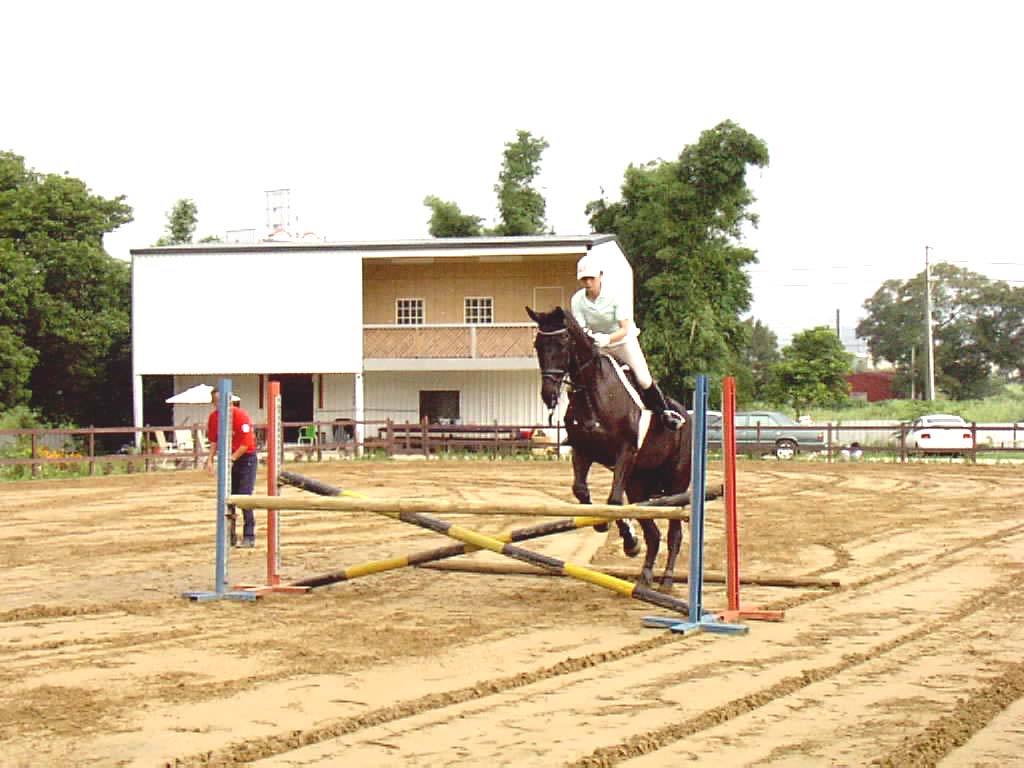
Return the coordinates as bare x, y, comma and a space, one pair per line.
915, 660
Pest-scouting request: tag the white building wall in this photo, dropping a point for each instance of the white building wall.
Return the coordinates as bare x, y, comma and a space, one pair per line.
248, 311
505, 397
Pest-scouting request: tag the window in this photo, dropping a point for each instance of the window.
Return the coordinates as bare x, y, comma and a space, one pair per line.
478, 310
409, 311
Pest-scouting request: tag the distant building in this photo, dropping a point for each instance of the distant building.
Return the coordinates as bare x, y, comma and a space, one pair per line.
871, 385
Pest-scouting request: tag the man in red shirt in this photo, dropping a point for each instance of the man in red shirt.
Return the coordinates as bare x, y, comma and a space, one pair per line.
243, 463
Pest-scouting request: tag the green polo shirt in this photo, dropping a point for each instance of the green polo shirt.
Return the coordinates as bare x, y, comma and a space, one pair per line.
601, 315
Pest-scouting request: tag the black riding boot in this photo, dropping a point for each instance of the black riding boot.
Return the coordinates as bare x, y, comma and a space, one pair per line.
655, 400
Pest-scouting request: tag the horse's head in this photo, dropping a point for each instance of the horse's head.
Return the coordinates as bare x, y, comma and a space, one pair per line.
553, 352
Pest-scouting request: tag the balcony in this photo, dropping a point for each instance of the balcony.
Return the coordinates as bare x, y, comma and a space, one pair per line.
466, 342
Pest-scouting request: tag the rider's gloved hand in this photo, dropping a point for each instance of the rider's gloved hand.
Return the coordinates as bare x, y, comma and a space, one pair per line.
601, 339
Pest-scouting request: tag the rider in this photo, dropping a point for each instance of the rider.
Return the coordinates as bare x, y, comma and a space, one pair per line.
605, 319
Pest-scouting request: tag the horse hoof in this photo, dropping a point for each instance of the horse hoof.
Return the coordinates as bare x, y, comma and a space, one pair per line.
666, 585
601, 527
645, 578
631, 550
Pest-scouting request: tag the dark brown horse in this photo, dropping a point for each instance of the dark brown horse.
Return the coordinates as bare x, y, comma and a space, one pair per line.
604, 423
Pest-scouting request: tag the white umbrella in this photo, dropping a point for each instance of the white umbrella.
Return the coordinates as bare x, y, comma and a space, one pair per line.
197, 395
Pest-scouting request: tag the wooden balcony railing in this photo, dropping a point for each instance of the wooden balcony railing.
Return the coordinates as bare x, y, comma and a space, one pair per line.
448, 341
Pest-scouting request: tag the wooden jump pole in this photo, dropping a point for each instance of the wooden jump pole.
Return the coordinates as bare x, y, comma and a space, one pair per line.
481, 541
441, 553
429, 506
487, 567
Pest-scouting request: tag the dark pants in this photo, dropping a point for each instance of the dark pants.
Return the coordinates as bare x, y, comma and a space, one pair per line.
243, 481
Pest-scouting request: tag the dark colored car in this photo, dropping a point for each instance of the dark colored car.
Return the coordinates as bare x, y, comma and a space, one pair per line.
767, 432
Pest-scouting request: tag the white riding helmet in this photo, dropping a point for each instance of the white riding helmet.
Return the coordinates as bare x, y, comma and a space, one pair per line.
588, 266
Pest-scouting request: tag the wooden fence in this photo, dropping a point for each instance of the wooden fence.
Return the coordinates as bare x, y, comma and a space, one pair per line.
147, 449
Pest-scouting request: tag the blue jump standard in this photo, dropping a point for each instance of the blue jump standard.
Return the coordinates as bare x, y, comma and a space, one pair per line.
699, 621
220, 591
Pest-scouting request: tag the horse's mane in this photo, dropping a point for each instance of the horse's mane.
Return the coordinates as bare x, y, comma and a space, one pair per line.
579, 336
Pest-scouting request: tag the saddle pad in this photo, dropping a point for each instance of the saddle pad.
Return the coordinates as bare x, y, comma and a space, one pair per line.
645, 415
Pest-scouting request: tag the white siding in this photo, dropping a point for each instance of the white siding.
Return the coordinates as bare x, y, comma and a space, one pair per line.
247, 311
617, 270
505, 397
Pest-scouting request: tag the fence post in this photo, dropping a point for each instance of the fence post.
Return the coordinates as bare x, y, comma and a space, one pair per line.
92, 450
35, 452
828, 452
974, 442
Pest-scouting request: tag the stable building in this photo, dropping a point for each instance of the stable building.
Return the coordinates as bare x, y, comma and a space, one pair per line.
405, 330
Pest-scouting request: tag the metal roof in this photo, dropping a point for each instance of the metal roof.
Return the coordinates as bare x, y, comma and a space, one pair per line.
537, 242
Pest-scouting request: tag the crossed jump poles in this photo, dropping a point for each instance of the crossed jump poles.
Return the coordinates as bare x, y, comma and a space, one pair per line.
414, 513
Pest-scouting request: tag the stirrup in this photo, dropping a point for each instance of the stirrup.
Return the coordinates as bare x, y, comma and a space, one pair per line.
673, 420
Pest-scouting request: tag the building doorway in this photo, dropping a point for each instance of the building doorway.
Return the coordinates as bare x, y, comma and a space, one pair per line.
439, 406
296, 401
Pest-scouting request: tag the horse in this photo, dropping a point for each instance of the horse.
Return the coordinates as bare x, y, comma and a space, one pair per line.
606, 424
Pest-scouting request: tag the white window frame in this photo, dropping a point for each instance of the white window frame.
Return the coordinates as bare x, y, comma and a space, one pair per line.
415, 312
479, 303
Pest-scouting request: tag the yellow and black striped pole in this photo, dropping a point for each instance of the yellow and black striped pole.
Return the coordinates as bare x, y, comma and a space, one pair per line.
443, 553
623, 587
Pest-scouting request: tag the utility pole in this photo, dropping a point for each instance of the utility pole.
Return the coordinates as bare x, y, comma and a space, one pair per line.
929, 382
913, 374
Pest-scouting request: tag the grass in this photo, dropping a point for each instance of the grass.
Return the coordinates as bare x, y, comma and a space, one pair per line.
1007, 407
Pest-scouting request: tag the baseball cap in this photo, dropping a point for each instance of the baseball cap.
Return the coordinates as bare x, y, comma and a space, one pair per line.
588, 266
235, 398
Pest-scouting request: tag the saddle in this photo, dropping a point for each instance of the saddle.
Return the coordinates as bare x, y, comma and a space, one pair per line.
585, 411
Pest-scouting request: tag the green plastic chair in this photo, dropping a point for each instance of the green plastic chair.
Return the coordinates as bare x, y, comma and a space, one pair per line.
307, 435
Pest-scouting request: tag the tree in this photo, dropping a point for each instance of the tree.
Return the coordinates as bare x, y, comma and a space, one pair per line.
970, 335
181, 223
1000, 327
812, 371
66, 302
446, 220
681, 224
761, 353
520, 206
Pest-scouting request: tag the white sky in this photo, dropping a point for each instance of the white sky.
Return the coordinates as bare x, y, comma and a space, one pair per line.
891, 125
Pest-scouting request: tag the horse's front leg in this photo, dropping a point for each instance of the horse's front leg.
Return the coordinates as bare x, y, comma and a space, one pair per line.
623, 469
580, 470
675, 543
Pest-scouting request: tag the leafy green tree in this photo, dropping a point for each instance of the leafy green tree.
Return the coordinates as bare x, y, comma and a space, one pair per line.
762, 352
681, 224
1000, 328
181, 223
65, 304
446, 220
521, 207
812, 372
970, 336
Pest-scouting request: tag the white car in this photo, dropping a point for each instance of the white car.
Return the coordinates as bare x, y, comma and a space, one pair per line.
940, 433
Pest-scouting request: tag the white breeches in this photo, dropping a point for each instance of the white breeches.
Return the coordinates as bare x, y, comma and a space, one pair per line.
629, 353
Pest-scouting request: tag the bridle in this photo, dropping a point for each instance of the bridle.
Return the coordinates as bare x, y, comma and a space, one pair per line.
559, 375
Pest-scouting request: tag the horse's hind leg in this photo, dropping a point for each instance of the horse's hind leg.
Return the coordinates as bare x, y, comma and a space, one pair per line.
652, 540
675, 543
